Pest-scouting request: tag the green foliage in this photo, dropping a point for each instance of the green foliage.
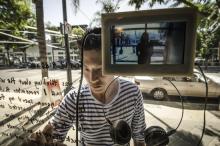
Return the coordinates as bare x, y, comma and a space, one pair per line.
14, 14
108, 6
208, 28
55, 40
78, 31
73, 45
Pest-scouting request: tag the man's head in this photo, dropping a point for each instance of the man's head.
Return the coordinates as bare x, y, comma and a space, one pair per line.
92, 62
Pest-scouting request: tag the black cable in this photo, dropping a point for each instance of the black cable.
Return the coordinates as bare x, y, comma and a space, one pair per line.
104, 98
174, 130
206, 95
80, 85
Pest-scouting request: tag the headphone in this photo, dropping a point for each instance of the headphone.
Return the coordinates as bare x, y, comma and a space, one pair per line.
120, 132
157, 136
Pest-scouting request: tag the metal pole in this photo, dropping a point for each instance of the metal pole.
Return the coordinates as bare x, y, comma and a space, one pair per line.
69, 75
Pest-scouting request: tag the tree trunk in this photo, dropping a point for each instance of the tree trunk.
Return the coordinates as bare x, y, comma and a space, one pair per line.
25, 55
219, 51
8, 55
41, 37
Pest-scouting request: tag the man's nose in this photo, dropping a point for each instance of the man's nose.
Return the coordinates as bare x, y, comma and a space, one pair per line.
93, 76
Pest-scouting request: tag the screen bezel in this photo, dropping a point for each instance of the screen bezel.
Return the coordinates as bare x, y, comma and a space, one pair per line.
187, 15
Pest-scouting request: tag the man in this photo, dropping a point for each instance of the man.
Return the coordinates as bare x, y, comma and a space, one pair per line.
102, 98
144, 50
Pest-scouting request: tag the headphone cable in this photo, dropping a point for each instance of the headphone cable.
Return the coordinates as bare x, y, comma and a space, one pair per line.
204, 114
174, 130
78, 93
104, 99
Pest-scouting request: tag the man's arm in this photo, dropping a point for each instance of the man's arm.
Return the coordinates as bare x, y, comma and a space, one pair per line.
59, 125
64, 118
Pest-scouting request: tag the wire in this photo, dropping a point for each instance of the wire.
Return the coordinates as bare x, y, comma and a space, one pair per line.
24, 31
27, 41
51, 31
204, 114
78, 94
17, 37
11, 42
174, 130
26, 46
80, 85
48, 33
104, 99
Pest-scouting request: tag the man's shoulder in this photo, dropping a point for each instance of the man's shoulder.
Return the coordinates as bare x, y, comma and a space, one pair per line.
127, 82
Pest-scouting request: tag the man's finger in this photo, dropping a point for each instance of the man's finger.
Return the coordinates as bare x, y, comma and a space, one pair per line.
40, 138
48, 129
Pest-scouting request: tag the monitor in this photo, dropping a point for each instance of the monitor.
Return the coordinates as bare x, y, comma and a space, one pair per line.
159, 42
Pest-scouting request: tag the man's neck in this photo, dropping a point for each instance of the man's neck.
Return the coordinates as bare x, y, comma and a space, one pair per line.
110, 93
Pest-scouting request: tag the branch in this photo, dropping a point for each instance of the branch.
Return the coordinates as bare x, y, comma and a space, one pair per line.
190, 4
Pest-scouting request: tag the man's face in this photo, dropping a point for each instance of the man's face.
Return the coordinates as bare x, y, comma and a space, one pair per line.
92, 69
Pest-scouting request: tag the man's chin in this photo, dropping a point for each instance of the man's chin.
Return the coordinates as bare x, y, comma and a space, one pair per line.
97, 89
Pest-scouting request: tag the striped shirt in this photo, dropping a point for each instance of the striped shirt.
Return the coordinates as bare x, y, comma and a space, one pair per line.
126, 105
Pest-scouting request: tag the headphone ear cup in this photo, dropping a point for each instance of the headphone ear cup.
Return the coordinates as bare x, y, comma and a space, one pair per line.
156, 136
120, 132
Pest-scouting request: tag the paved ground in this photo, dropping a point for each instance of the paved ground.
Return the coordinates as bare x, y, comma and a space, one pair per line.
163, 113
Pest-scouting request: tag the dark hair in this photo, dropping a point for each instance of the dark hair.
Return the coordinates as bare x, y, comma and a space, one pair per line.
91, 40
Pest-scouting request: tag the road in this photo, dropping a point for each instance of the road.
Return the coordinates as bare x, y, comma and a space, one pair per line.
162, 113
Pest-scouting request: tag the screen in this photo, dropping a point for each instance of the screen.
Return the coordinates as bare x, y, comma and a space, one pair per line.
149, 43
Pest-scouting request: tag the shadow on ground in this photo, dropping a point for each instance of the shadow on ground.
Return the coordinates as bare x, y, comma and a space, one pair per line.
184, 138
212, 132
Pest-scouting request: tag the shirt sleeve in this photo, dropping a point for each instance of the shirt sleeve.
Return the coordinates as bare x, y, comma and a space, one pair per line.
138, 124
64, 117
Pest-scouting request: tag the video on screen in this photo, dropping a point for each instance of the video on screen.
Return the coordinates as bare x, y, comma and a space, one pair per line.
150, 43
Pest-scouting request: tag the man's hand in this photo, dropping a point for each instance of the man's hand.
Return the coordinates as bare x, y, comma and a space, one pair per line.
43, 138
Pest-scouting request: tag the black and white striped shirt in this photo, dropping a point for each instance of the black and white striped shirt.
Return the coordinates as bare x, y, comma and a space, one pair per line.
126, 105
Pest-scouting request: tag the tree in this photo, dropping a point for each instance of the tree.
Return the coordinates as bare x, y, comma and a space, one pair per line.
41, 37
75, 5
79, 32
108, 6
14, 16
208, 28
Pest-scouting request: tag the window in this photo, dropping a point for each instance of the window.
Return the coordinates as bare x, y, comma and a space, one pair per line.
60, 58
60, 53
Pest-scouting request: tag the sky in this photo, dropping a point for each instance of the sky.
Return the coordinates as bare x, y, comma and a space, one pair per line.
86, 12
